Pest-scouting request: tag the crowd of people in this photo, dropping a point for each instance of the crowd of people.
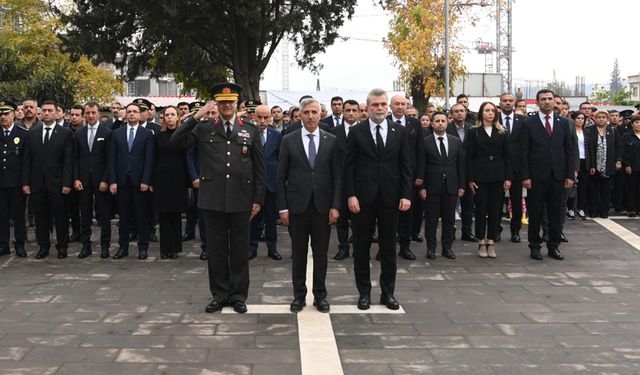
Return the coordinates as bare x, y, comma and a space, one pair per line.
377, 170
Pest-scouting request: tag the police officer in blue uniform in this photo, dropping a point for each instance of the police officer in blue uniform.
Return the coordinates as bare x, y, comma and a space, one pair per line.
12, 141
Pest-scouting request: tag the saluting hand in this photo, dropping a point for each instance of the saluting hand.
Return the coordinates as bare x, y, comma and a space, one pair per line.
204, 110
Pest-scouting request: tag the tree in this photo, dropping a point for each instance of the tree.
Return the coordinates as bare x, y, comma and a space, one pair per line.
32, 64
202, 42
416, 39
616, 81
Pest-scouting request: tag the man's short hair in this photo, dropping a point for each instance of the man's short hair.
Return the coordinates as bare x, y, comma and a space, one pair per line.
583, 103
544, 91
274, 107
612, 111
335, 98
461, 96
92, 105
49, 102
306, 102
350, 102
303, 97
78, 106
375, 93
182, 103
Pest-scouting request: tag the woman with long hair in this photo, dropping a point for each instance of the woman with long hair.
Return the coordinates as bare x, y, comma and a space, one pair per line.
489, 174
578, 204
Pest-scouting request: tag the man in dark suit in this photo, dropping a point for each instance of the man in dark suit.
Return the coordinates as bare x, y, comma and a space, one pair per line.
47, 178
232, 186
513, 123
12, 144
130, 166
415, 138
90, 158
459, 127
444, 182
336, 117
378, 181
309, 189
76, 122
270, 139
350, 118
547, 168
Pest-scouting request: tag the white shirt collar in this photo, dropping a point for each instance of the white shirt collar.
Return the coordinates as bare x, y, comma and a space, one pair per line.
403, 119
383, 125
93, 126
10, 129
444, 136
542, 118
315, 132
135, 127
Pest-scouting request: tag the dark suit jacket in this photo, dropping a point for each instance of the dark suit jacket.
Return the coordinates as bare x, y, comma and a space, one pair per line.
631, 154
298, 125
369, 176
545, 157
437, 166
12, 150
614, 148
298, 183
517, 122
90, 167
339, 132
153, 126
193, 163
270, 152
48, 169
452, 130
416, 145
138, 163
329, 120
488, 158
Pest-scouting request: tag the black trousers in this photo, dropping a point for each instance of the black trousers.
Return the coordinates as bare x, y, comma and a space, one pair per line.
12, 202
549, 193
488, 199
315, 225
268, 214
89, 197
417, 206
45, 207
618, 192
170, 225
227, 243
363, 226
192, 214
131, 198
466, 213
515, 194
72, 200
201, 227
633, 192
599, 193
405, 223
582, 188
440, 206
342, 227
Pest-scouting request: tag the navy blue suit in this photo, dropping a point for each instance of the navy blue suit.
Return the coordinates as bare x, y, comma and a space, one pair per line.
129, 169
193, 169
269, 213
12, 200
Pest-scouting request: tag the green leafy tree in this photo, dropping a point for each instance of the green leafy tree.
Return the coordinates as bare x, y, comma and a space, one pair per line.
203, 42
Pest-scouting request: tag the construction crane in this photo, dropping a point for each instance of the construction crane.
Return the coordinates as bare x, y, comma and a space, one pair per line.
504, 46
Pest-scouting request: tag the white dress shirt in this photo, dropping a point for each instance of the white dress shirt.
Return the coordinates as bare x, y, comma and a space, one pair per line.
445, 140
95, 131
224, 122
543, 120
580, 135
44, 130
305, 139
383, 130
333, 120
347, 127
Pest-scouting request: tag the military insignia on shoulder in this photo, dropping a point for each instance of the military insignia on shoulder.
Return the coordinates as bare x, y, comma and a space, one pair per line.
21, 126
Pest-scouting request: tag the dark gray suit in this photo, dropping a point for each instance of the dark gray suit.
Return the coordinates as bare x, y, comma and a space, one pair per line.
308, 192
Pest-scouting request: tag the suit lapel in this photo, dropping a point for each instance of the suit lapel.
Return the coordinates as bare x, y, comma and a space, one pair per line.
367, 130
391, 134
300, 147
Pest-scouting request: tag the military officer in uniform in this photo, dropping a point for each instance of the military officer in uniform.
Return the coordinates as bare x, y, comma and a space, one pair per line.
12, 141
232, 188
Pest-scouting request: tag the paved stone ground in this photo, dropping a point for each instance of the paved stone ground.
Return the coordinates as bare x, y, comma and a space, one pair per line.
511, 315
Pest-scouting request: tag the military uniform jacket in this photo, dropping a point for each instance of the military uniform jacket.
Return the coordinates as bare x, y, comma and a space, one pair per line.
12, 151
232, 174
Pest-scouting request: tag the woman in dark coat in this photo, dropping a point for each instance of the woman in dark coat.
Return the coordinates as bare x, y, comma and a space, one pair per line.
171, 184
489, 174
605, 157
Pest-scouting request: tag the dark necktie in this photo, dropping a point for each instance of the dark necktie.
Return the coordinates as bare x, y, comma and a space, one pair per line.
547, 125
6, 133
132, 135
443, 150
46, 136
337, 121
263, 137
228, 126
379, 141
399, 122
312, 150
508, 123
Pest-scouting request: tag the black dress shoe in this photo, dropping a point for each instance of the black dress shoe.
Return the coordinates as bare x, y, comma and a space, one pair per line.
173, 255
188, 236
563, 238
62, 254
143, 254
407, 254
252, 254
468, 237
121, 253
321, 305
555, 254
364, 302
515, 238
390, 302
431, 254
536, 254
153, 237
342, 254
374, 238
203, 255
297, 305
104, 253
20, 252
42, 253
239, 307
85, 252
214, 306
448, 253
275, 255
417, 238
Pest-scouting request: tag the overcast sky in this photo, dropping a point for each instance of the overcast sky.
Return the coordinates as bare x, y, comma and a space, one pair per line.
580, 37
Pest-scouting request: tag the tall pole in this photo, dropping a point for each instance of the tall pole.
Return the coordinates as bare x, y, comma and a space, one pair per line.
447, 68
